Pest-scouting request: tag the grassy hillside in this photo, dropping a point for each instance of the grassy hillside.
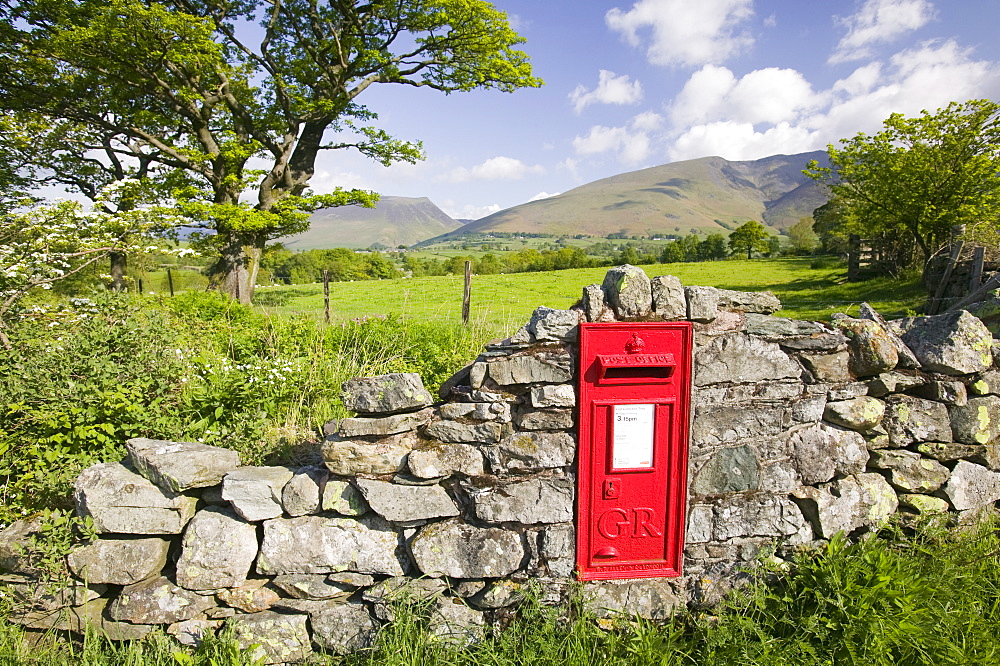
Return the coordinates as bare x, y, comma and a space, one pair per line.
393, 222
673, 198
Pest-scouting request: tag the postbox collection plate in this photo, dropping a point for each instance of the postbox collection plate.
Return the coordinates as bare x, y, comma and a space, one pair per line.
634, 410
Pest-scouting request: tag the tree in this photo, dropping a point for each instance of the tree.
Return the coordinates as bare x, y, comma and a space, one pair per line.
749, 237
181, 82
912, 181
713, 247
801, 236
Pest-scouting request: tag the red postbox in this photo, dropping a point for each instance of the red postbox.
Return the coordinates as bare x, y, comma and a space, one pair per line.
635, 394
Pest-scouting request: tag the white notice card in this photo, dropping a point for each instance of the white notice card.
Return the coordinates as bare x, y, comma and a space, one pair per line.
632, 436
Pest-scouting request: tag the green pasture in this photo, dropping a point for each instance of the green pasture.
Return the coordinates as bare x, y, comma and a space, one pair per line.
506, 301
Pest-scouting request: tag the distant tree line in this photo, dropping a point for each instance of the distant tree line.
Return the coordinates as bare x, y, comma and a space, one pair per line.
279, 264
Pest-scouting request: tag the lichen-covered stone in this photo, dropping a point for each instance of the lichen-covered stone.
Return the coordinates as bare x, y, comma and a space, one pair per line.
820, 452
909, 471
892, 382
312, 586
193, 632
404, 589
90, 616
976, 422
385, 425
908, 420
302, 494
907, 359
669, 302
541, 368
861, 413
546, 419
741, 359
757, 302
403, 504
699, 525
628, 292
594, 304
758, 514
828, 368
923, 504
847, 504
15, 543
476, 411
549, 325
119, 561
255, 492
386, 455
871, 349
316, 544
531, 451
278, 638
950, 392
343, 498
558, 395
386, 394
810, 334
453, 622
459, 550
654, 598
252, 596
972, 486
953, 343
217, 551
724, 424
540, 500
558, 549
441, 460
456, 431
729, 470
178, 466
343, 628
157, 601
122, 502
702, 304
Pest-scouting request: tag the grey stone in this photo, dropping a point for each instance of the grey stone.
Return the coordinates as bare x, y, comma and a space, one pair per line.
909, 471
594, 305
781, 327
988, 382
549, 325
547, 419
559, 549
729, 470
981, 454
90, 616
953, 343
741, 359
30, 594
312, 586
456, 431
923, 504
702, 304
15, 544
699, 525
559, 395
654, 598
476, 411
178, 466
255, 492
907, 359
953, 393
501, 594
871, 349
386, 394
120, 501
477, 374
892, 382
119, 561
451, 621
343, 498
343, 628
252, 596
301, 495
725, 424
669, 302
351, 578
757, 302
157, 601
193, 632
541, 368
862, 413
529, 502
459, 550
809, 410
387, 455
441, 460
756, 515
972, 486
847, 391
531, 451
977, 422
403, 504
817, 343
828, 368
277, 638
316, 544
386, 425
726, 395
628, 292
218, 550
847, 504
718, 581
908, 419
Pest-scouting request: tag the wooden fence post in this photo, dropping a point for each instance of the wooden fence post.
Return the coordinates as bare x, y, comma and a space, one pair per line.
976, 276
853, 257
326, 295
467, 296
170, 281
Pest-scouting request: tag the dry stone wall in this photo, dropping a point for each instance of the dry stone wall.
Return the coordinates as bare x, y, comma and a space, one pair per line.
799, 430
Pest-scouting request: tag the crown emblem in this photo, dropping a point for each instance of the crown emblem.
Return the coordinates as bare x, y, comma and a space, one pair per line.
635, 345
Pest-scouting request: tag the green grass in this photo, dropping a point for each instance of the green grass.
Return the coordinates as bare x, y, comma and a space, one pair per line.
506, 301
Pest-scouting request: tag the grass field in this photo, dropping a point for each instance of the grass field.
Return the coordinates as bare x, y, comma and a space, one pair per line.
506, 301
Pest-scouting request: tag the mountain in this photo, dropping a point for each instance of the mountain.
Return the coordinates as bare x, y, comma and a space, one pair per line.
394, 221
673, 198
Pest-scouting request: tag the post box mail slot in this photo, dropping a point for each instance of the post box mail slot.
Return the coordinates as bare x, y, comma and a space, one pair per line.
635, 392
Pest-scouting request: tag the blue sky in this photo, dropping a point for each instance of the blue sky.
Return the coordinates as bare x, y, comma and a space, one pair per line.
634, 84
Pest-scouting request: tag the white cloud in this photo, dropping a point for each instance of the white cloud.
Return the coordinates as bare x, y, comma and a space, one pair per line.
543, 195
495, 168
685, 32
611, 89
632, 143
879, 21
324, 181
468, 211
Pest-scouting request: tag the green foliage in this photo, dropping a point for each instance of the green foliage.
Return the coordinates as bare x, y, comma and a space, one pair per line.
750, 237
802, 238
909, 183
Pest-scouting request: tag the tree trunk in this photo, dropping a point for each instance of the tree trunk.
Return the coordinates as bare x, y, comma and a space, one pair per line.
119, 262
238, 264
